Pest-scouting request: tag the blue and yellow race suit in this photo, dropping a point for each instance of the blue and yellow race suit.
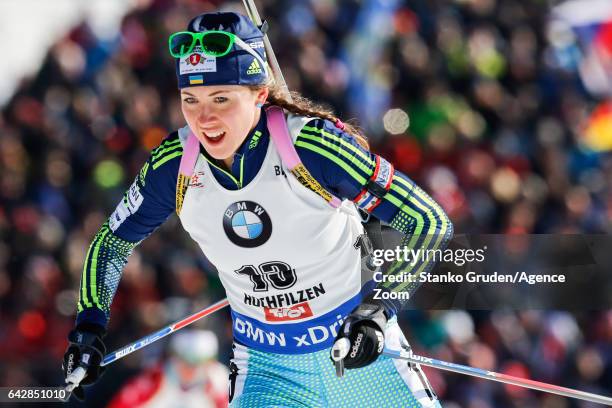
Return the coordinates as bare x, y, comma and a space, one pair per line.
287, 260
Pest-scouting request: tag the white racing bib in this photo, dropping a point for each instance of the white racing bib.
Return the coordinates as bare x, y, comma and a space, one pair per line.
287, 259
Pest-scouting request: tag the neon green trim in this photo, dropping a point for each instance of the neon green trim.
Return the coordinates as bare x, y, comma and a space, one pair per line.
256, 137
443, 226
143, 172
402, 181
343, 142
352, 159
94, 268
165, 144
418, 229
84, 280
403, 207
335, 159
225, 172
441, 232
167, 158
242, 166
166, 150
440, 229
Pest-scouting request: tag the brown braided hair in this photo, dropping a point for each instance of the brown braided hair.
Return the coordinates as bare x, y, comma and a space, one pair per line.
303, 106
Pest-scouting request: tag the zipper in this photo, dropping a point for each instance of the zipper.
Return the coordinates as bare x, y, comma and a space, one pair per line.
237, 182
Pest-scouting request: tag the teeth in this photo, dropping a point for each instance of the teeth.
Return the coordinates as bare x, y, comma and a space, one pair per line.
215, 135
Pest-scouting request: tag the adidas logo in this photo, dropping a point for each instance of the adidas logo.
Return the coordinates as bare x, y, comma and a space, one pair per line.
254, 68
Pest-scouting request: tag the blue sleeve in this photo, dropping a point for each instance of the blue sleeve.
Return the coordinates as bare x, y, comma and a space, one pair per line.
146, 205
334, 158
344, 168
151, 198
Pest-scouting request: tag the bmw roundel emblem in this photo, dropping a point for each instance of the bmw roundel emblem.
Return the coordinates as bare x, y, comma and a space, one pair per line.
247, 224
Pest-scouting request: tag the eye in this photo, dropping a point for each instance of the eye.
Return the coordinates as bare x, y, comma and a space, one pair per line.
220, 99
190, 100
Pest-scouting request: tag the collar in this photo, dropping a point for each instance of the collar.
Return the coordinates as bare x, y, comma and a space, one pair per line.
247, 159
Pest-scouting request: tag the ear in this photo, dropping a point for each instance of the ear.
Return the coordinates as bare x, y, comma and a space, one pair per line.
262, 95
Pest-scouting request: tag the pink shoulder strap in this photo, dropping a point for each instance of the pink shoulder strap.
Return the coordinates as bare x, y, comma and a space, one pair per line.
277, 125
190, 155
188, 162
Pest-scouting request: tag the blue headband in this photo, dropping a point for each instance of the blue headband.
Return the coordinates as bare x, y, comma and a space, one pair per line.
239, 67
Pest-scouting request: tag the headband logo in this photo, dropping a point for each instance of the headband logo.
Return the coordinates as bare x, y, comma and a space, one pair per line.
197, 63
254, 68
195, 59
256, 44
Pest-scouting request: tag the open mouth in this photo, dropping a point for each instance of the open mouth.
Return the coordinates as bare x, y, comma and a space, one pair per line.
214, 138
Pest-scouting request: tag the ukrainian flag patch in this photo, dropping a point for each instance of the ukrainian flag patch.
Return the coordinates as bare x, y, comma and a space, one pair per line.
196, 79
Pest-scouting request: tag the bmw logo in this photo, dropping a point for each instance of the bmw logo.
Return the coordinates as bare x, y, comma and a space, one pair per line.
247, 224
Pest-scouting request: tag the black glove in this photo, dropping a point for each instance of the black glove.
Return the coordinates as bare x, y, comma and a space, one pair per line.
85, 349
364, 327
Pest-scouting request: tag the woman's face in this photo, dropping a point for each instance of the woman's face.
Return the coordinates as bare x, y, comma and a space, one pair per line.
221, 116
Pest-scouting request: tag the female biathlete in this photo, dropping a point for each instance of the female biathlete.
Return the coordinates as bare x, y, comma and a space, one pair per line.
286, 244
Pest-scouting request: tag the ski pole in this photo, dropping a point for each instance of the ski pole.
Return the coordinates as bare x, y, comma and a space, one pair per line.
490, 375
75, 378
251, 10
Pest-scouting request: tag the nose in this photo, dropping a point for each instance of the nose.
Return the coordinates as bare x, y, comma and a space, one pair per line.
206, 115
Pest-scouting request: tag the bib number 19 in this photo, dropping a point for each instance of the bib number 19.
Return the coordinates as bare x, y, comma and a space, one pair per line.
278, 274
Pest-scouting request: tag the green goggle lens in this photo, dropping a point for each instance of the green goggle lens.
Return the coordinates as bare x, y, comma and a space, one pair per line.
181, 44
217, 44
214, 43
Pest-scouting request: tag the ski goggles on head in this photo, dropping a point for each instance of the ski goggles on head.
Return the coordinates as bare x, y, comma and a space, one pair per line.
213, 43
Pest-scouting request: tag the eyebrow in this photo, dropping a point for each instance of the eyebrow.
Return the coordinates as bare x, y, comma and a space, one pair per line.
212, 94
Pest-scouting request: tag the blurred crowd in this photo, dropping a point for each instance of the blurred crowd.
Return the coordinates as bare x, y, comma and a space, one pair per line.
470, 100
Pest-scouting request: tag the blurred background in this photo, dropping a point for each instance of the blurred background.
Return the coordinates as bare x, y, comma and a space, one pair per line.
500, 109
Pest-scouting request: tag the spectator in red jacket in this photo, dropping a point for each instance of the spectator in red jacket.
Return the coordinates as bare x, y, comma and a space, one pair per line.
190, 377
